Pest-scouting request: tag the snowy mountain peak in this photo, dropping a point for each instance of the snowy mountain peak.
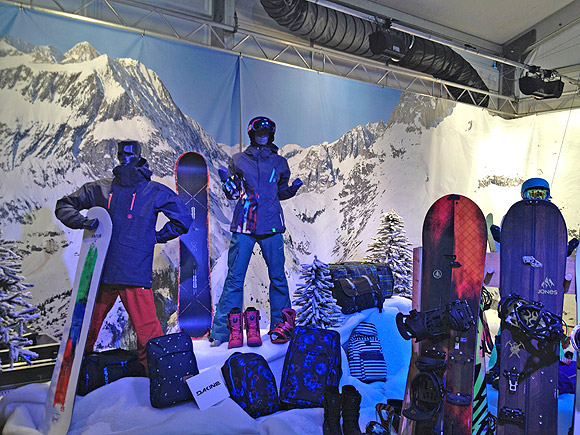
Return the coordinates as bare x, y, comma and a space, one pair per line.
10, 46
82, 52
418, 112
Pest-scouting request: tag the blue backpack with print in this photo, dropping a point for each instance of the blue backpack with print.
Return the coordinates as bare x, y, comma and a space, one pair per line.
312, 362
251, 383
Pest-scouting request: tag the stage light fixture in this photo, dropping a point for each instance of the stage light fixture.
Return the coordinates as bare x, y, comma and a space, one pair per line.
542, 86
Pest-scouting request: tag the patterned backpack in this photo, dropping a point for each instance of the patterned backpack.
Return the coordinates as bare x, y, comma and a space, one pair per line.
365, 356
251, 383
312, 362
170, 359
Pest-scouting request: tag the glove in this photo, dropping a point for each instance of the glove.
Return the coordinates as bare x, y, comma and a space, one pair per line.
223, 172
297, 183
91, 224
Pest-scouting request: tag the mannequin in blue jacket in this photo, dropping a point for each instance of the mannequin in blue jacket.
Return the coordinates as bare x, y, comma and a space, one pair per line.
133, 201
258, 178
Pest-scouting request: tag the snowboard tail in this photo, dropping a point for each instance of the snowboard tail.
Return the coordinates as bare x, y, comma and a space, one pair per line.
194, 311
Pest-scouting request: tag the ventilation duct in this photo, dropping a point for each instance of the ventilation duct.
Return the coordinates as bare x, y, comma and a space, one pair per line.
343, 32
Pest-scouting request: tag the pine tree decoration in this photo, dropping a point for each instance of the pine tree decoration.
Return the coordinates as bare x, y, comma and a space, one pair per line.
15, 311
317, 307
391, 246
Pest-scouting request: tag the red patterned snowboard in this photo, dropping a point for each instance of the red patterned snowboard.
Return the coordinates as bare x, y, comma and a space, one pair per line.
439, 397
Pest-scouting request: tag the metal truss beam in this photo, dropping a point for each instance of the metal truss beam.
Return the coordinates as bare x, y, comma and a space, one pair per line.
175, 24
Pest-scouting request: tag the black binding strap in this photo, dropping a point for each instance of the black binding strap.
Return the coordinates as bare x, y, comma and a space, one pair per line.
532, 318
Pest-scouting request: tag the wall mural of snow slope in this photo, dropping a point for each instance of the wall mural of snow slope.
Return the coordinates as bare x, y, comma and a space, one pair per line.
62, 114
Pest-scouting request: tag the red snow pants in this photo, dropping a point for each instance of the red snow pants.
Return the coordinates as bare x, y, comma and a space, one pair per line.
140, 305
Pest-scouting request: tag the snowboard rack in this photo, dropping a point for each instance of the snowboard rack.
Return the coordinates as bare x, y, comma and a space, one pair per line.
511, 416
513, 377
532, 318
427, 390
456, 315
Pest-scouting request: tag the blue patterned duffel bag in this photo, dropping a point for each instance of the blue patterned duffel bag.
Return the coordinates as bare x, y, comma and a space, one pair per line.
312, 362
251, 383
170, 358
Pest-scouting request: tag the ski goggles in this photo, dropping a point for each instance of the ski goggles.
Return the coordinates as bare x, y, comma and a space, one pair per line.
262, 124
537, 194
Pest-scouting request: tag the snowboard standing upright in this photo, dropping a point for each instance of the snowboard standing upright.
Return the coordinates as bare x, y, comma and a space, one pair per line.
440, 386
533, 267
194, 311
59, 404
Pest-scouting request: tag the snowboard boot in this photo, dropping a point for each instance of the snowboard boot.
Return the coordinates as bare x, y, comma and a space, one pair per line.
252, 323
332, 406
350, 398
235, 325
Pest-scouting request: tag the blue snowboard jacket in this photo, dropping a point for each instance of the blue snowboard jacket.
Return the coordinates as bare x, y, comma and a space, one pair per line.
133, 202
263, 177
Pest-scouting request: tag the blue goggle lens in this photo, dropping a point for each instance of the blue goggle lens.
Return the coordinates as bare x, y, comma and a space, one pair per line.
262, 124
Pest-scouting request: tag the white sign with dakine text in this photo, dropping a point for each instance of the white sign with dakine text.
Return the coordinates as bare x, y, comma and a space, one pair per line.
208, 388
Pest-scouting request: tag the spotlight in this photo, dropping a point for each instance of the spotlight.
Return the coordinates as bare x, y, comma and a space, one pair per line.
540, 87
390, 43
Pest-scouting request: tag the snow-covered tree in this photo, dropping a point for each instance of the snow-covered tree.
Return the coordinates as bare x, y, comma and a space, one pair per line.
391, 246
314, 298
15, 310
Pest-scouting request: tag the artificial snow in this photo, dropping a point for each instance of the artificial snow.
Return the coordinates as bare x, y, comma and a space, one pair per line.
123, 407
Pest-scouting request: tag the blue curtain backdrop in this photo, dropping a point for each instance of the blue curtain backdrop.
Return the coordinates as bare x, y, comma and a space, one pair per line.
212, 87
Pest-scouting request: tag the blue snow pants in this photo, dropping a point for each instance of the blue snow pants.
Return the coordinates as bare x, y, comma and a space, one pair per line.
239, 255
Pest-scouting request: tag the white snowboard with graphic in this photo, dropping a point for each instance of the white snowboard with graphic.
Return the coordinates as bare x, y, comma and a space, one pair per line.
59, 404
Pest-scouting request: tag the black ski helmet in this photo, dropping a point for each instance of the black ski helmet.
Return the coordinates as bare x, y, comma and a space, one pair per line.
128, 146
261, 123
535, 184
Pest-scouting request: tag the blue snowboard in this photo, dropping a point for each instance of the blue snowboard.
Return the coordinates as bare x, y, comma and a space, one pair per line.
194, 312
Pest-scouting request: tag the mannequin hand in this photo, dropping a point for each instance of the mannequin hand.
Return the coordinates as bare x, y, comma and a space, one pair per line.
223, 172
91, 224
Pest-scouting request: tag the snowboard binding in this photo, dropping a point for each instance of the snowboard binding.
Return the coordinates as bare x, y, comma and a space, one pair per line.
532, 318
432, 324
427, 389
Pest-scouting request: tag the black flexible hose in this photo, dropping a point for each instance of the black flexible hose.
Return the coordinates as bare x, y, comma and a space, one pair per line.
337, 30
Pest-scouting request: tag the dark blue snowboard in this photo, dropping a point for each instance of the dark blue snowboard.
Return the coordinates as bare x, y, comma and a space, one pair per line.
194, 311
533, 266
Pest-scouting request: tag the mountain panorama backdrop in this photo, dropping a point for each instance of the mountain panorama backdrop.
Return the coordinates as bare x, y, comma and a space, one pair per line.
62, 114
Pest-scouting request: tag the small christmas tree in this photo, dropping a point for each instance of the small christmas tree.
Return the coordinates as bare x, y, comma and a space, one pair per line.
391, 246
15, 311
314, 297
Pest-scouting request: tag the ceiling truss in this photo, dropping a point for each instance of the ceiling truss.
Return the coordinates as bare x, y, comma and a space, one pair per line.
168, 23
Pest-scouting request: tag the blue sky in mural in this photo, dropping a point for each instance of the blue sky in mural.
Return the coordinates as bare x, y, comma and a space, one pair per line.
308, 107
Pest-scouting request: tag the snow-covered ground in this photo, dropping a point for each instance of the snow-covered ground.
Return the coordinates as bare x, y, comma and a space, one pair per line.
123, 407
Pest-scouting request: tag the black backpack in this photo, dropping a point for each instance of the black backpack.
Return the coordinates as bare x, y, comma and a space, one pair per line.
102, 368
170, 358
312, 362
251, 383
